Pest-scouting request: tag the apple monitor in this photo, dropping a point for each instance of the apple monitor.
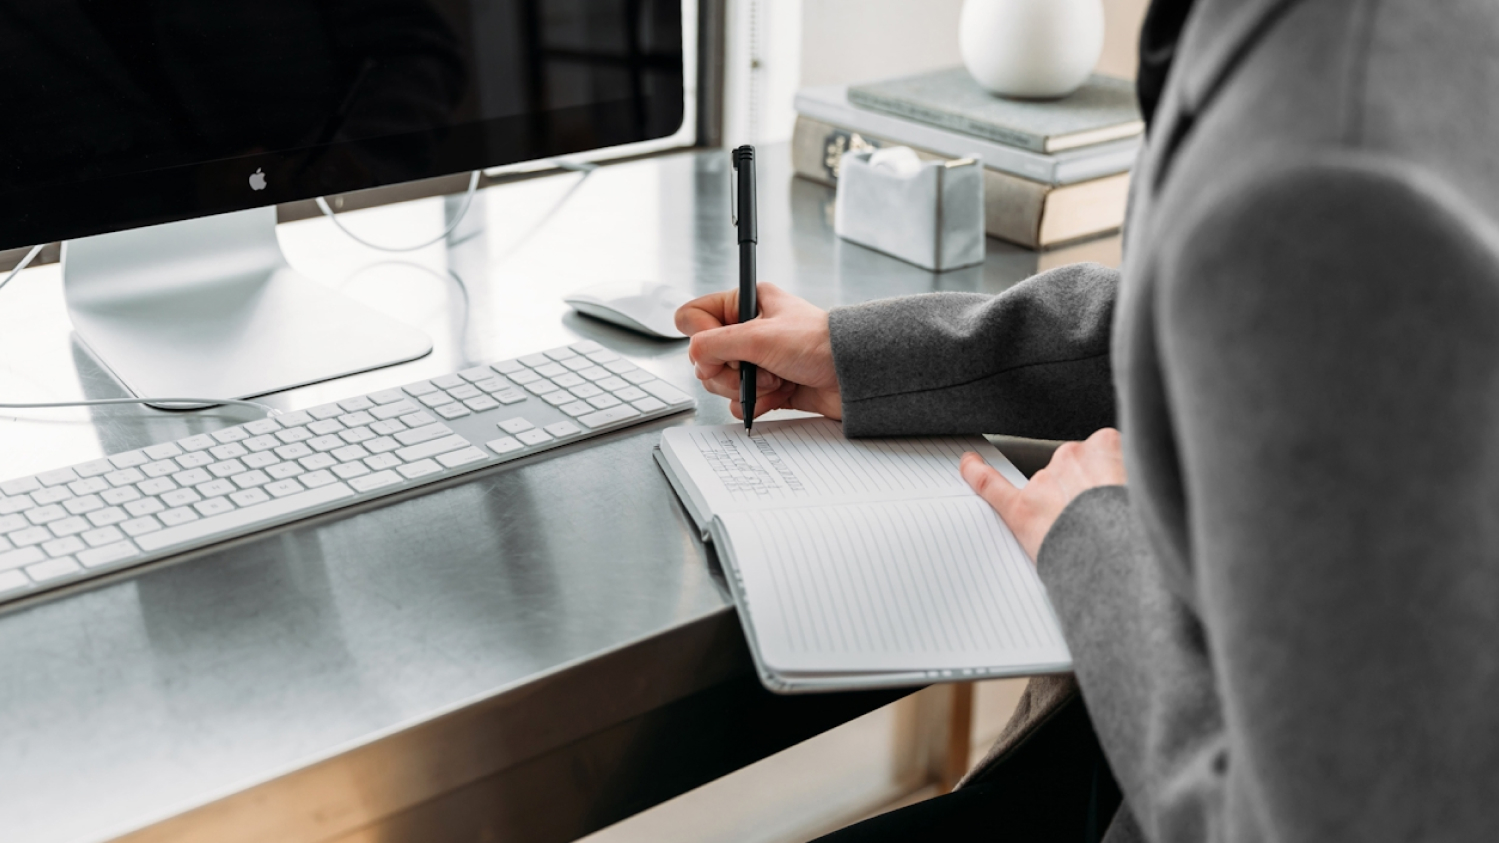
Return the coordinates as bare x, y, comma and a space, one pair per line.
156, 137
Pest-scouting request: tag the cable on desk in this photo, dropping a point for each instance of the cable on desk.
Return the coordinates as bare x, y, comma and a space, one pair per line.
468, 199
186, 403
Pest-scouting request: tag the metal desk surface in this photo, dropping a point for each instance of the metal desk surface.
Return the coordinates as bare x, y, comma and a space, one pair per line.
534, 651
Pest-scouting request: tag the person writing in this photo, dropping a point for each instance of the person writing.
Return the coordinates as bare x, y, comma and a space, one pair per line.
1279, 578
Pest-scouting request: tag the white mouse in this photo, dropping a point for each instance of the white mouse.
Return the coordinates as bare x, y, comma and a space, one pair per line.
646, 307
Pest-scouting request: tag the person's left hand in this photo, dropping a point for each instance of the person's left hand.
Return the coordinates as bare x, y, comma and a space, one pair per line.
1075, 468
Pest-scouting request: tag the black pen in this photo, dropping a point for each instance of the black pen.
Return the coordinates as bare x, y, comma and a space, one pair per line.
749, 305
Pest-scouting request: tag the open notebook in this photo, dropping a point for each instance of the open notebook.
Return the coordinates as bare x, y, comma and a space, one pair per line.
863, 563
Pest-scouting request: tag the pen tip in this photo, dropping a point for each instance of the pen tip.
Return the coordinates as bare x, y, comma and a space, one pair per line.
747, 423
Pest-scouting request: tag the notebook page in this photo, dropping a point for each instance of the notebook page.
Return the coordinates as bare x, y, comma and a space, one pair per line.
808, 461
923, 585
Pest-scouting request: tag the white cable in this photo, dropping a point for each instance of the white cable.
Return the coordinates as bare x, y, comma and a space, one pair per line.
30, 256
468, 199
188, 403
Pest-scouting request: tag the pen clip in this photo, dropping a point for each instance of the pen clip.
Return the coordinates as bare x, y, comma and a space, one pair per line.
734, 191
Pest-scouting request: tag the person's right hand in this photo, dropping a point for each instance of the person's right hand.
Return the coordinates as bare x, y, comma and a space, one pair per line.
789, 342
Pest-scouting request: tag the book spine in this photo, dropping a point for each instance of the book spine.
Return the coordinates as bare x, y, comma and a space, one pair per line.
1014, 208
957, 123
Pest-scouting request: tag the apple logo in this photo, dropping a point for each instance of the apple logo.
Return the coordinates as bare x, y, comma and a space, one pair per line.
257, 180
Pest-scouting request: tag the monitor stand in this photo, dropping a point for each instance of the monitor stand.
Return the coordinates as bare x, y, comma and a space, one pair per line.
209, 308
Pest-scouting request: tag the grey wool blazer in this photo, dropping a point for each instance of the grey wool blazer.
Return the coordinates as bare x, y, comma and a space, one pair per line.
1286, 628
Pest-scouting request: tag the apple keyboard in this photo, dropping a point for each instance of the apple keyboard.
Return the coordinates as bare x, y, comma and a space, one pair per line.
79, 522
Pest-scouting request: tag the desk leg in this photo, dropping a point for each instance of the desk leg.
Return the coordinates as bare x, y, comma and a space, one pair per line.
959, 736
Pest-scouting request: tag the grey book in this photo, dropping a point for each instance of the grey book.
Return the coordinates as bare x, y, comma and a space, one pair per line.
1103, 109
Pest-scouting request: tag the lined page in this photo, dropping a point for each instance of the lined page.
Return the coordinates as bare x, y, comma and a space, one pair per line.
802, 461
923, 585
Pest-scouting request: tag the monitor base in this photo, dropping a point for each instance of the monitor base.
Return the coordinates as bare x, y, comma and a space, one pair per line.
209, 308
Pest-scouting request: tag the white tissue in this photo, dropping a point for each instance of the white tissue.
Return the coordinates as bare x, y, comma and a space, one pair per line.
900, 160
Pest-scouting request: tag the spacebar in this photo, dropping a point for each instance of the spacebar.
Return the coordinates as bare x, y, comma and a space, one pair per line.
230, 521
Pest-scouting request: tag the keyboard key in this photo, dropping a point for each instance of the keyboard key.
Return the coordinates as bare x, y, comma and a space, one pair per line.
452, 411
558, 398
215, 488
390, 411
54, 494
436, 399
266, 443
510, 396
102, 536
11, 522
432, 449
325, 427
351, 470
602, 356
348, 453
578, 363
87, 503
129, 459
535, 437
294, 451
46, 514
213, 506
542, 386
465, 392
93, 468
550, 370
124, 477
358, 419
318, 479
251, 479
325, 443
586, 391
105, 517
609, 416
387, 427
562, 429
355, 405
561, 353
283, 470
504, 445
260, 427
534, 360
231, 434
156, 485
30, 536
107, 554
144, 506
249, 497
52, 569
165, 450
629, 393
11, 506
420, 468
480, 404
88, 486
447, 381
192, 478
381, 444
282, 488
420, 388
380, 462
420, 418
386, 396
507, 367
577, 408
209, 527
613, 383
524, 377
260, 460
21, 486
515, 425
568, 380
17, 558
58, 477
586, 347
227, 468
604, 402
619, 367
180, 515
13, 581
648, 405
199, 442
595, 373
229, 451
356, 435
140, 526
317, 461
665, 391
297, 419
493, 384
638, 376
453, 459
181, 497
63, 547
161, 468
379, 479
326, 411
69, 526
193, 459
423, 434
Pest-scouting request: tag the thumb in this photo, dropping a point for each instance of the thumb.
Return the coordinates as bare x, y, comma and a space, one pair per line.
988, 483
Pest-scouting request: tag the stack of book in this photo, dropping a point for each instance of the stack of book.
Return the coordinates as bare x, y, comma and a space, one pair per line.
1056, 171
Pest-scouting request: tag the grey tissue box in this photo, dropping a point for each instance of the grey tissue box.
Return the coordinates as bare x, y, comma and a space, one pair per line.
933, 217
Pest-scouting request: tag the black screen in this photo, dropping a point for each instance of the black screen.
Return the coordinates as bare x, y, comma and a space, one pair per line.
122, 113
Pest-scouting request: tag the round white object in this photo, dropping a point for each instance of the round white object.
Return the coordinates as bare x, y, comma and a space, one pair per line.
1033, 49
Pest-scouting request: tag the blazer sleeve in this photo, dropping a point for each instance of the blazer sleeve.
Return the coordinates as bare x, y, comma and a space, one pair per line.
1032, 361
1327, 337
